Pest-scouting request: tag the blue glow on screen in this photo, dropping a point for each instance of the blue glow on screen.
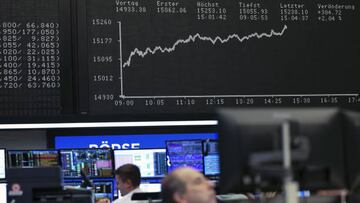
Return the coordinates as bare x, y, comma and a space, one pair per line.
185, 153
211, 164
211, 158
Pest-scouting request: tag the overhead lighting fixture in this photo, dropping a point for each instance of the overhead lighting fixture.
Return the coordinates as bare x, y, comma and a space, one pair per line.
108, 124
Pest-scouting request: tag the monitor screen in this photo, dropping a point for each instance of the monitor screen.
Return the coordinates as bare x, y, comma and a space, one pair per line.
152, 162
2, 164
185, 153
32, 158
3, 192
25, 180
94, 162
211, 158
250, 146
150, 187
103, 189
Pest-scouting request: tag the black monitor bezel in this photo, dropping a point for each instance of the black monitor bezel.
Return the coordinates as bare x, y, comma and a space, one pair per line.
304, 116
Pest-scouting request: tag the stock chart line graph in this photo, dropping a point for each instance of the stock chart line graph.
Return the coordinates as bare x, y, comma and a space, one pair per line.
196, 56
193, 39
198, 37
190, 39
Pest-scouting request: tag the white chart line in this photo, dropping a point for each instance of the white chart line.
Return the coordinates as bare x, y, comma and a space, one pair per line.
193, 38
232, 96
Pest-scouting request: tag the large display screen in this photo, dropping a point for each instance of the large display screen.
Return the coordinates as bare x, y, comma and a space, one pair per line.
182, 56
35, 69
136, 59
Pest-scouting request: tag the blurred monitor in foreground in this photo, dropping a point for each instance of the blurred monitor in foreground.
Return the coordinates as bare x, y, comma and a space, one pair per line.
22, 182
251, 150
352, 141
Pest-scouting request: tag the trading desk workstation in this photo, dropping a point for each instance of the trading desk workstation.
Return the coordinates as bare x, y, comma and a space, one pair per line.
245, 156
262, 97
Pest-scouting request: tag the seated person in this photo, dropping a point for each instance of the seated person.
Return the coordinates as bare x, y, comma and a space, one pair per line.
186, 185
127, 181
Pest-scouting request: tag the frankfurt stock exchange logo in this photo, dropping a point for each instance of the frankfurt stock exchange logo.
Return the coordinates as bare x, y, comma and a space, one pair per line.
106, 144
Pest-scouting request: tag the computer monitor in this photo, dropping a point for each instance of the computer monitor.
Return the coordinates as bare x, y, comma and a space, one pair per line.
3, 193
352, 150
250, 149
151, 162
21, 182
150, 187
32, 158
2, 164
211, 158
97, 163
185, 153
103, 189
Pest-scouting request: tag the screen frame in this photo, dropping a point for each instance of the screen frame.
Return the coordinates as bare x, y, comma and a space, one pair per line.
90, 177
67, 182
203, 148
145, 149
2, 180
202, 152
19, 150
311, 122
5, 196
